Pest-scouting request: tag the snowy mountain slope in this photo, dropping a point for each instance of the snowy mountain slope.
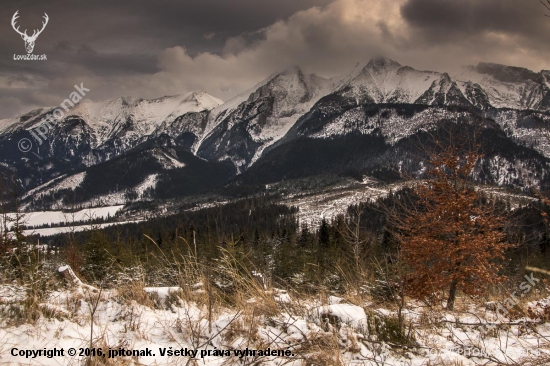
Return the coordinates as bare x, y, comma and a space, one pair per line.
60, 183
218, 114
25, 120
388, 141
112, 117
383, 80
509, 87
265, 117
379, 103
444, 92
392, 123
95, 132
529, 127
156, 168
187, 129
407, 92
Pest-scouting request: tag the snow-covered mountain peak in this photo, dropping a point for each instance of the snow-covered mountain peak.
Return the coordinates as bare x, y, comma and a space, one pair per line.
290, 70
263, 124
178, 105
507, 74
383, 80
446, 80
507, 86
290, 88
203, 100
382, 64
264, 117
27, 119
373, 66
107, 115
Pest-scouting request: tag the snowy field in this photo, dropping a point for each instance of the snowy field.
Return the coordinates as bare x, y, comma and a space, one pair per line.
314, 207
40, 218
74, 229
316, 331
326, 205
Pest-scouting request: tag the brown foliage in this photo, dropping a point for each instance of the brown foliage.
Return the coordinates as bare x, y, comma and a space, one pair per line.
450, 240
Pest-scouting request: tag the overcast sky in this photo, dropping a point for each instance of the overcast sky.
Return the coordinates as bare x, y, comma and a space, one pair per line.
152, 48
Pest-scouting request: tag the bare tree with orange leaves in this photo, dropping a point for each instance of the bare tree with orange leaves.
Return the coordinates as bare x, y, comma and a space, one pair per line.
453, 237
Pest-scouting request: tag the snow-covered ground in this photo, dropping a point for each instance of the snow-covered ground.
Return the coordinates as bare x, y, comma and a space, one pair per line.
66, 219
75, 228
315, 332
39, 218
316, 206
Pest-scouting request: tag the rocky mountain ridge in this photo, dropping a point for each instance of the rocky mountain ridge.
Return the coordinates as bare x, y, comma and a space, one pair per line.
379, 99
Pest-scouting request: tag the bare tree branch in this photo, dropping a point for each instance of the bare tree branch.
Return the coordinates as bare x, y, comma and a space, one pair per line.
546, 4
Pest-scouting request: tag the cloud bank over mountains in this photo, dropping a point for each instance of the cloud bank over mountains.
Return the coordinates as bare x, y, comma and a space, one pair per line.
162, 48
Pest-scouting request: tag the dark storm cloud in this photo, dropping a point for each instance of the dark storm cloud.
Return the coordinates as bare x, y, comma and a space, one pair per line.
165, 22
148, 48
125, 36
109, 63
449, 20
106, 40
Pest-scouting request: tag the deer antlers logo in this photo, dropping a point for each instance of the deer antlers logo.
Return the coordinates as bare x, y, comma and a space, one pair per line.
29, 40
